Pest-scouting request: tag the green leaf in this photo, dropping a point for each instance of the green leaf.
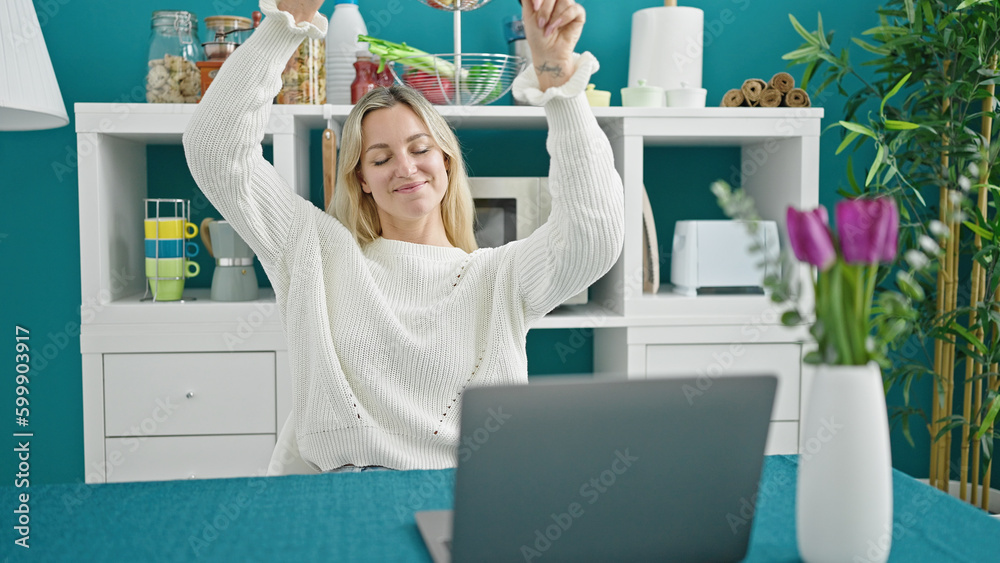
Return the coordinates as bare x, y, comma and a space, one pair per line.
791, 318
850, 175
847, 141
813, 357
968, 3
928, 12
882, 51
875, 165
990, 416
909, 286
947, 428
801, 53
894, 91
886, 30
889, 175
968, 336
807, 75
859, 128
987, 235
802, 31
900, 125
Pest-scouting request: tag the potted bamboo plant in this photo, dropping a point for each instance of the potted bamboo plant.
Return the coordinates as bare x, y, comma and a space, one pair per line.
929, 111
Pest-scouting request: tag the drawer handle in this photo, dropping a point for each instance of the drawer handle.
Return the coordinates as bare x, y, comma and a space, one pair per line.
190, 394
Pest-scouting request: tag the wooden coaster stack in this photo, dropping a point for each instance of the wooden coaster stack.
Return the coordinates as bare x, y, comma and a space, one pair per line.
780, 91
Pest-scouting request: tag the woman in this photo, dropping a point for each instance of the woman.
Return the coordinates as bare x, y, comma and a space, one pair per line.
388, 309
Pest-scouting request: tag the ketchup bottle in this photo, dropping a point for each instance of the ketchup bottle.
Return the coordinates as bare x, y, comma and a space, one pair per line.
366, 78
385, 77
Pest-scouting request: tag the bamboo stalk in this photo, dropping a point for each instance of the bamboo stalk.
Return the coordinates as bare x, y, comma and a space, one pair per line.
972, 399
994, 384
949, 386
972, 402
940, 449
940, 345
940, 352
984, 177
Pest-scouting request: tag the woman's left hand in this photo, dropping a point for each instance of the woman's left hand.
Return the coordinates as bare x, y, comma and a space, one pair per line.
552, 28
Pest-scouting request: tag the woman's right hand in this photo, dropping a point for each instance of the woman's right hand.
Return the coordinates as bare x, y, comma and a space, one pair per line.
302, 10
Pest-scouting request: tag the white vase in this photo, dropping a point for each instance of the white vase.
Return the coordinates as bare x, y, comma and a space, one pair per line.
843, 506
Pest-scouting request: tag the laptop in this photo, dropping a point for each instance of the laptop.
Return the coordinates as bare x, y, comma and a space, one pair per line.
573, 470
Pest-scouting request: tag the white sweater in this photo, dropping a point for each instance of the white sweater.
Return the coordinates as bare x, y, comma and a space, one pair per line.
382, 340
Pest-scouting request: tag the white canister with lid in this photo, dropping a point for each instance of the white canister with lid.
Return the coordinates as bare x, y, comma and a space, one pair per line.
342, 43
643, 96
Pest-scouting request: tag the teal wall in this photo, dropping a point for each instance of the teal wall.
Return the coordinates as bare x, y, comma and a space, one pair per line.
99, 55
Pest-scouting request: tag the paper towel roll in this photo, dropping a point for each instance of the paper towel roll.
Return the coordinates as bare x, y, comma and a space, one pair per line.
667, 44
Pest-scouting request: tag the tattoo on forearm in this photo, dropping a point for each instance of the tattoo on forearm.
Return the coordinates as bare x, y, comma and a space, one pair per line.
555, 70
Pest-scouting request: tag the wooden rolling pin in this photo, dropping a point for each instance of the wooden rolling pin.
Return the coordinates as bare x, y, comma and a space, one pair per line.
329, 166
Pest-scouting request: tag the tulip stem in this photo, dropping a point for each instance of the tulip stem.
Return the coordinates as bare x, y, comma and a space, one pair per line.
855, 277
840, 338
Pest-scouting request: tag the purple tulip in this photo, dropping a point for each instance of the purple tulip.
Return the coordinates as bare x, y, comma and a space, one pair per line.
809, 233
868, 230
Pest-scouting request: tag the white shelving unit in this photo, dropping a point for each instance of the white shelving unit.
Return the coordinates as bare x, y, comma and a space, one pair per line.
124, 340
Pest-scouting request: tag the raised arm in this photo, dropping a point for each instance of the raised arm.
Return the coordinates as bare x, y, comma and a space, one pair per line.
223, 141
583, 236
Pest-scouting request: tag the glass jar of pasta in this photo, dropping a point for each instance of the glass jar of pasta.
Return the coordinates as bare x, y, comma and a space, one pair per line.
174, 49
304, 78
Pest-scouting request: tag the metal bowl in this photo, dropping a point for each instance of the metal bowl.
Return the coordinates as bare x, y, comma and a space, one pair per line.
219, 50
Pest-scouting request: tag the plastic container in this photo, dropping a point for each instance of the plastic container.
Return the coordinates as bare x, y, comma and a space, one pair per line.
304, 78
342, 43
366, 78
172, 74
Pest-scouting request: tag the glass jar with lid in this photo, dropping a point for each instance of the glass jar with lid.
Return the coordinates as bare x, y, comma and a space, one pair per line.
304, 78
174, 50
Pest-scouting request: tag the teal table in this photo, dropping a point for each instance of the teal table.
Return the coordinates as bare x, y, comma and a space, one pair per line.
369, 517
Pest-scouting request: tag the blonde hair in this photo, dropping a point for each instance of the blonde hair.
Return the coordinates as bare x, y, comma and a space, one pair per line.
357, 210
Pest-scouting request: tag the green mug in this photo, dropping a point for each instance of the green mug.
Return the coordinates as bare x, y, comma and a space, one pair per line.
171, 268
166, 276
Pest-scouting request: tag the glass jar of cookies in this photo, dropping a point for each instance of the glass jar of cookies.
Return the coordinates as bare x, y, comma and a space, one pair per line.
174, 49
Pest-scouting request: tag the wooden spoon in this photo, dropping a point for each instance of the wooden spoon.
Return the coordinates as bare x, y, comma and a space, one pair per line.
329, 166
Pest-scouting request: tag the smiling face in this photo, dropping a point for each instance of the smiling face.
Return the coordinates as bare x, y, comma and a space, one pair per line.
404, 170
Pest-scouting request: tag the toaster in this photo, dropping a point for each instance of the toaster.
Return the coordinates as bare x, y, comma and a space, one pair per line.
715, 257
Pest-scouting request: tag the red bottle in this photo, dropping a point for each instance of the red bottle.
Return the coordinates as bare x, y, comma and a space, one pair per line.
385, 78
366, 78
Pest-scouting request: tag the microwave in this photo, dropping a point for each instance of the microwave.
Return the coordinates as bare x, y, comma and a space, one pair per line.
509, 209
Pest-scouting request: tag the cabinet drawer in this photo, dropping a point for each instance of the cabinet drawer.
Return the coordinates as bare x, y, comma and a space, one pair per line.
185, 394
719, 360
189, 457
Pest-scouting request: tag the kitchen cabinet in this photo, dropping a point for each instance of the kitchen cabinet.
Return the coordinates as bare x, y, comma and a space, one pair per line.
232, 357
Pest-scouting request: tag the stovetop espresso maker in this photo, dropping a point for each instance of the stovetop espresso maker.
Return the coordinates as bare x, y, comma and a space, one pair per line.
234, 278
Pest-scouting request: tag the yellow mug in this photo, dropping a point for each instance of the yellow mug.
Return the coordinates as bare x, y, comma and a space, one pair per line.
170, 227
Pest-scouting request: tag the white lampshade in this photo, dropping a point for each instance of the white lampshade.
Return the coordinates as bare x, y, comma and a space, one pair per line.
29, 93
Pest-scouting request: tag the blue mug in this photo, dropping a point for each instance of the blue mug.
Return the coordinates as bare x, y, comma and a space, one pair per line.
171, 248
